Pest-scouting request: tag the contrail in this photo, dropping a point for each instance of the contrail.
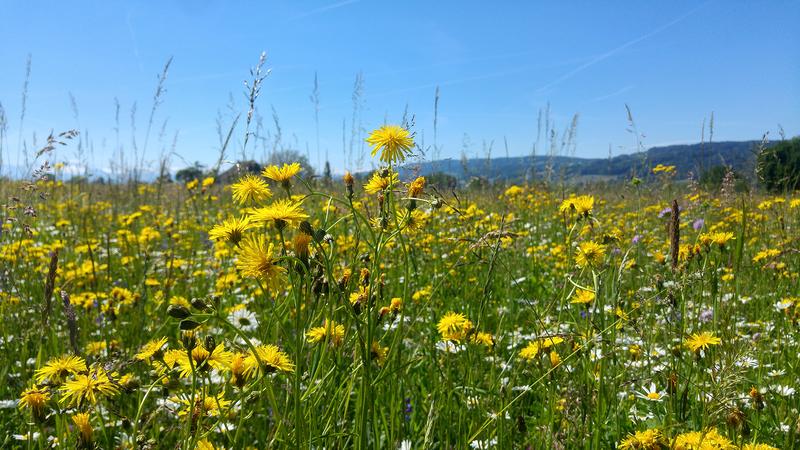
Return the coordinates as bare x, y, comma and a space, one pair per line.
614, 51
613, 94
133, 40
325, 9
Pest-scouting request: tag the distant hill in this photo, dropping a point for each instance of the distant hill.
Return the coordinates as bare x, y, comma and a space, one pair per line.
696, 158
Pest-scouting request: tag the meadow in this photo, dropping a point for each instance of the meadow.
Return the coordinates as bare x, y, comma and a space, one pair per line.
282, 311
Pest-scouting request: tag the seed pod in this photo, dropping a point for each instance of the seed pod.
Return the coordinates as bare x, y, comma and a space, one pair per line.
178, 311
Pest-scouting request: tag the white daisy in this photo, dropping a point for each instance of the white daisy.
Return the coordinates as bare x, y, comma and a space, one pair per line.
652, 394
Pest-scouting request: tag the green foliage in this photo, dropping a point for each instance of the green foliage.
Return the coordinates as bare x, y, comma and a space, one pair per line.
713, 178
442, 180
194, 172
779, 166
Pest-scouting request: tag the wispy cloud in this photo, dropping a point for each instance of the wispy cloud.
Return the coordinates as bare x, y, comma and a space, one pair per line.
614, 51
324, 9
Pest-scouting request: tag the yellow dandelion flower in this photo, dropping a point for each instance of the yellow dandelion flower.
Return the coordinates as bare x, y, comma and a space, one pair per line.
414, 220
250, 189
709, 439
35, 399
530, 351
454, 327
359, 297
280, 212
380, 182
209, 405
718, 237
203, 359
255, 260
56, 370
590, 253
651, 439
701, 341
204, 444
150, 349
231, 230
330, 330
378, 353
583, 296
91, 386
483, 338
581, 205
513, 191
272, 358
663, 169
394, 143
757, 446
551, 341
283, 174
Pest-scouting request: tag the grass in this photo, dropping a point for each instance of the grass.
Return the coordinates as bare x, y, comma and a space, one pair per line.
101, 270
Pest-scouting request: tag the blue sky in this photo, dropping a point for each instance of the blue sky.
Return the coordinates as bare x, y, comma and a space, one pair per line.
497, 64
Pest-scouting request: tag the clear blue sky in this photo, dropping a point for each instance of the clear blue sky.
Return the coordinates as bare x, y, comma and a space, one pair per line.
497, 64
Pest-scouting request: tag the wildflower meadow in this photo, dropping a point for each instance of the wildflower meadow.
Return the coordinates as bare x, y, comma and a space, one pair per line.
376, 310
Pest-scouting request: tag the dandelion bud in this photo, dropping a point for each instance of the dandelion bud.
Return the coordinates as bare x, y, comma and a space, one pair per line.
672, 383
364, 277
345, 279
85, 431
36, 399
178, 312
348, 184
757, 397
555, 358
199, 304
210, 343
416, 187
300, 243
735, 418
306, 228
396, 304
319, 235
238, 367
187, 325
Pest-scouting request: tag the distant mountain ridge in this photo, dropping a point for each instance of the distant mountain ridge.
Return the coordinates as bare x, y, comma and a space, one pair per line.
696, 158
